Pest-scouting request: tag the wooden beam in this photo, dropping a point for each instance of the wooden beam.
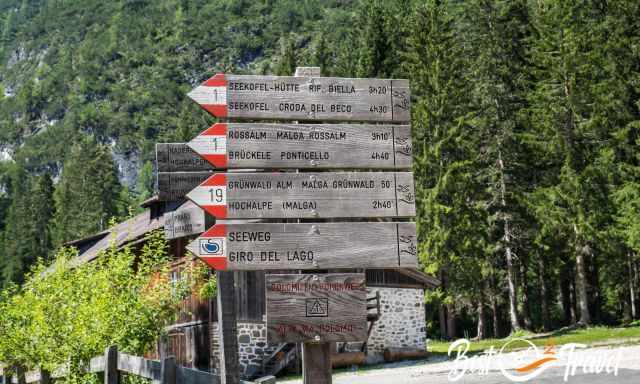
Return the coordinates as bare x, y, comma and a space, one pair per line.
111, 365
168, 370
228, 329
316, 363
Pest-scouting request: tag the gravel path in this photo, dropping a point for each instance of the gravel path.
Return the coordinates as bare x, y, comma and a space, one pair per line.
437, 369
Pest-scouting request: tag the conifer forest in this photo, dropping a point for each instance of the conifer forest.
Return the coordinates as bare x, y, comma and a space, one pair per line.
525, 120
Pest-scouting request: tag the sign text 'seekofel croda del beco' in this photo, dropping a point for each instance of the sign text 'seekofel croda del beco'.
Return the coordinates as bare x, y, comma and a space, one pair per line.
304, 98
309, 246
306, 195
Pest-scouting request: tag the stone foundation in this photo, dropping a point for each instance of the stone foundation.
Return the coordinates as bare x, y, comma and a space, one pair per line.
252, 347
402, 321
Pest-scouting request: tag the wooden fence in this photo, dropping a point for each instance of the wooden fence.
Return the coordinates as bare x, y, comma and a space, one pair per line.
113, 363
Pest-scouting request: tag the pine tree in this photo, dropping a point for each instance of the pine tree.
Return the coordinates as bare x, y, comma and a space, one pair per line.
288, 59
86, 196
452, 238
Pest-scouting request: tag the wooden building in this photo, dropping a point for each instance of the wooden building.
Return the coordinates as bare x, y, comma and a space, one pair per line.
193, 337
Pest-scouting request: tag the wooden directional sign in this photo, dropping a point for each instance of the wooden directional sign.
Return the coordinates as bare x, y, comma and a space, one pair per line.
186, 221
304, 98
308, 246
174, 186
306, 195
326, 308
297, 146
178, 157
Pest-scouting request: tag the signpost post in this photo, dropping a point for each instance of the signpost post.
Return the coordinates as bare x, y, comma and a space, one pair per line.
318, 308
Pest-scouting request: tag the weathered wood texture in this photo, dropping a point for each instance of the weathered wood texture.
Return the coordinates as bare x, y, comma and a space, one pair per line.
311, 146
174, 186
178, 157
227, 324
191, 220
306, 195
308, 246
111, 365
322, 307
304, 98
316, 363
132, 365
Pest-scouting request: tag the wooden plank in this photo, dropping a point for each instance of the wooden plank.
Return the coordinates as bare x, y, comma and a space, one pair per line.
168, 370
186, 375
308, 246
187, 221
311, 146
304, 98
96, 364
306, 195
174, 186
139, 366
179, 157
322, 308
316, 363
228, 329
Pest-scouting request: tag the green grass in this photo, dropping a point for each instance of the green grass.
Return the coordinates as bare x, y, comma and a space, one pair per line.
588, 336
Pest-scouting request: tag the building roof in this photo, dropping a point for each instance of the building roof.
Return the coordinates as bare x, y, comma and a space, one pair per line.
416, 274
120, 234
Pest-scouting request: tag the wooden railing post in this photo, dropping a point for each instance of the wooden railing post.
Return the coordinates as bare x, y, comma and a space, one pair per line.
111, 365
20, 373
168, 370
45, 377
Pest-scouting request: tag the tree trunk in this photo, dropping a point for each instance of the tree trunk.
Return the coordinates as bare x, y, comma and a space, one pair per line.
526, 308
544, 295
513, 294
451, 322
442, 307
496, 317
565, 294
632, 291
593, 293
572, 290
582, 253
443, 320
481, 319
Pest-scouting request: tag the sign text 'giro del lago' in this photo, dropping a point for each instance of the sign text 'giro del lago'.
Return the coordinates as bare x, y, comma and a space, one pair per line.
308, 246
304, 98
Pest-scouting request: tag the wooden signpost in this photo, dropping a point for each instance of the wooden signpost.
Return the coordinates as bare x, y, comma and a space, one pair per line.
174, 186
186, 221
306, 195
304, 98
323, 307
309, 246
314, 309
316, 146
178, 157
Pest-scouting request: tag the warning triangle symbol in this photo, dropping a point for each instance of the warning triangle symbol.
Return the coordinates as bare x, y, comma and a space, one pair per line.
317, 308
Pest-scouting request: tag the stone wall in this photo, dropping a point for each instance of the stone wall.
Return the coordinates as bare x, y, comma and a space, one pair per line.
402, 323
252, 347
